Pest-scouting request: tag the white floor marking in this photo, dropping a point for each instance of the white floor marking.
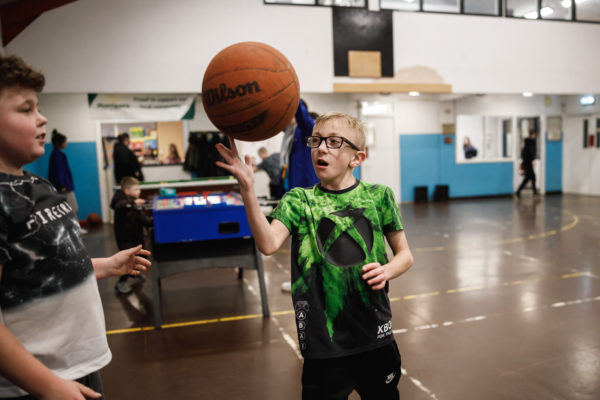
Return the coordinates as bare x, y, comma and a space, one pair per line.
527, 258
484, 317
288, 339
418, 384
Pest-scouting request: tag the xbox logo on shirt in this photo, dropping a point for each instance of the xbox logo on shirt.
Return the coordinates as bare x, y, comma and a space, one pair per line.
335, 237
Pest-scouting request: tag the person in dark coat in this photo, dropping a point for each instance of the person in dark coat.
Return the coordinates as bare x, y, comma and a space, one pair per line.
528, 156
126, 163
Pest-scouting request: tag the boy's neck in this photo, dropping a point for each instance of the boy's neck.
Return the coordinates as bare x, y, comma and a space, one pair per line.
10, 170
340, 183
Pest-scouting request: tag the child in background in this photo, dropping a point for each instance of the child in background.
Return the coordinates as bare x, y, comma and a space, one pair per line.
52, 331
129, 224
340, 269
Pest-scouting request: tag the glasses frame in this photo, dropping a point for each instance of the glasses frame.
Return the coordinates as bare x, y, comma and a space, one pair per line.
325, 138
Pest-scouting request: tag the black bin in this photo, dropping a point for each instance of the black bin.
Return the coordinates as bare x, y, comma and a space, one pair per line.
440, 193
420, 194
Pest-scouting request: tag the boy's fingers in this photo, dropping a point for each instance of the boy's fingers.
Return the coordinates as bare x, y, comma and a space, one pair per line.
87, 392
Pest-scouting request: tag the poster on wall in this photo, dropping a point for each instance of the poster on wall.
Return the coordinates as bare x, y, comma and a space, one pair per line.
143, 107
554, 133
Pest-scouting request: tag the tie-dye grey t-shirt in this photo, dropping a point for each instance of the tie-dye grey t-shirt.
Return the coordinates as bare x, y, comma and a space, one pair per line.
335, 233
48, 292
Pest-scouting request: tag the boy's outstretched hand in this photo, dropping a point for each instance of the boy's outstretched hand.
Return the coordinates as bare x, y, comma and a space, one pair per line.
243, 172
124, 262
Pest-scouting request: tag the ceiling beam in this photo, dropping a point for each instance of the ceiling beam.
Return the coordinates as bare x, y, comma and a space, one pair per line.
16, 16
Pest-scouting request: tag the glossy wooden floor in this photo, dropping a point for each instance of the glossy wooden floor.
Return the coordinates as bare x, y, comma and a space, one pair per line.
503, 302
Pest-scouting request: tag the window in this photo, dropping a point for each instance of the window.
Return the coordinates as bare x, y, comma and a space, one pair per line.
329, 3
484, 138
556, 9
151, 142
522, 8
587, 10
449, 6
483, 7
343, 3
309, 2
405, 5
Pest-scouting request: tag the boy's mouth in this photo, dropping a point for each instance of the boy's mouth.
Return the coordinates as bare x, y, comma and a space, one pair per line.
322, 163
41, 136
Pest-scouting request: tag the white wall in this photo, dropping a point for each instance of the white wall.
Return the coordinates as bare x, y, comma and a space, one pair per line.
581, 166
156, 46
500, 55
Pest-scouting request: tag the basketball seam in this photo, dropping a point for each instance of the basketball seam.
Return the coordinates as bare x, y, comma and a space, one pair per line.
266, 49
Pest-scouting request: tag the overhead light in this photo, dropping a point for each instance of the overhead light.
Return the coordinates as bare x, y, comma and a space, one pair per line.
527, 94
566, 3
545, 11
414, 94
587, 100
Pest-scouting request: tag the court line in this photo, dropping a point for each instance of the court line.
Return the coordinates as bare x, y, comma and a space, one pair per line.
533, 236
478, 318
392, 299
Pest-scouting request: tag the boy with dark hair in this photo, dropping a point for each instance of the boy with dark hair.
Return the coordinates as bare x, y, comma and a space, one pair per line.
340, 270
129, 223
52, 333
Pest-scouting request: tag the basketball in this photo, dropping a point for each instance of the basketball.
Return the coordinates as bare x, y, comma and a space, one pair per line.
250, 91
94, 220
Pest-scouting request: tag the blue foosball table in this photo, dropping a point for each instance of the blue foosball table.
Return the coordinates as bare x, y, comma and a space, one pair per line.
208, 230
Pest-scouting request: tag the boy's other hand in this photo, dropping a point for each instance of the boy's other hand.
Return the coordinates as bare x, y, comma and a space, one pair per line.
70, 390
129, 261
375, 275
139, 202
243, 172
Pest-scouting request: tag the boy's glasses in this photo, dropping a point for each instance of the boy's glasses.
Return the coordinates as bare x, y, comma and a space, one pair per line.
332, 142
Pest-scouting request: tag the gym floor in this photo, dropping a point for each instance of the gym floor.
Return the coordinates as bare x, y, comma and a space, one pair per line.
502, 302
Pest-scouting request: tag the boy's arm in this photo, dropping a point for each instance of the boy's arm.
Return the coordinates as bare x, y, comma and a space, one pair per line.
377, 275
28, 373
268, 237
304, 120
124, 262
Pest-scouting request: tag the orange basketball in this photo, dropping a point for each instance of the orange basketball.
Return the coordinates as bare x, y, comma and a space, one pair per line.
250, 91
94, 219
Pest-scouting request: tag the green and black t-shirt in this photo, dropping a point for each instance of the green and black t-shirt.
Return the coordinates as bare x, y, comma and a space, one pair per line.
335, 233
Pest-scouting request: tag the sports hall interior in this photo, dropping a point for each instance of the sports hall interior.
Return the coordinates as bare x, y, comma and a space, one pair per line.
503, 299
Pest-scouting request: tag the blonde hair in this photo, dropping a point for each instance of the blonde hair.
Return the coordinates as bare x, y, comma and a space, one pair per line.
128, 182
348, 120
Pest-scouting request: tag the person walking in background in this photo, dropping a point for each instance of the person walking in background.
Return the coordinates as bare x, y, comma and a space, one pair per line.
271, 164
129, 225
528, 156
126, 163
59, 172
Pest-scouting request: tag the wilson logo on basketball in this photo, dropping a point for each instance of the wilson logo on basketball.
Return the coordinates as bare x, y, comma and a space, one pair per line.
223, 93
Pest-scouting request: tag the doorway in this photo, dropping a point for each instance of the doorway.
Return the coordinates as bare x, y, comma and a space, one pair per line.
382, 147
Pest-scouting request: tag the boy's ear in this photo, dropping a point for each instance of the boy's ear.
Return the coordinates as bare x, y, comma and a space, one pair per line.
358, 158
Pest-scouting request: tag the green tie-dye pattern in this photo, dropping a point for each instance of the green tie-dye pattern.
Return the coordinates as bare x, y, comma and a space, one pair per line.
304, 210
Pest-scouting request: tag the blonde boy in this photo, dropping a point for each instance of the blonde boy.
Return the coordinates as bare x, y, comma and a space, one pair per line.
52, 334
340, 270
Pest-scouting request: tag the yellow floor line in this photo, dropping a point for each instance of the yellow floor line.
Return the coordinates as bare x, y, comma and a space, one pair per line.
286, 312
